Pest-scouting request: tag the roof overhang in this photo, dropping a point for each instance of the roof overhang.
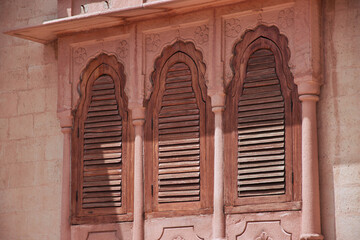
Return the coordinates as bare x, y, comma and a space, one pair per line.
51, 30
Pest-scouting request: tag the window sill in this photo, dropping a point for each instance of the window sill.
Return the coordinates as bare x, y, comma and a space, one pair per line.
178, 213
265, 207
102, 219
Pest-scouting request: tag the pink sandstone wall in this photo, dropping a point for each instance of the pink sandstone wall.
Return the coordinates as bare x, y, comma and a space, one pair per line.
31, 141
339, 121
30, 137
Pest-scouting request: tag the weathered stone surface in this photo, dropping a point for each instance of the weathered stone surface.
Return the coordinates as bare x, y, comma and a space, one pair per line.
21, 127
31, 101
339, 120
31, 144
29, 184
8, 104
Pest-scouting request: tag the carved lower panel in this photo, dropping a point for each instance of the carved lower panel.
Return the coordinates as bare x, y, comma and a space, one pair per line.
108, 235
267, 230
113, 231
179, 233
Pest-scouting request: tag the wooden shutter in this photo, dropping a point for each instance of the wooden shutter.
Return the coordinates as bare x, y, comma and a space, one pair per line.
179, 143
178, 139
262, 140
261, 129
102, 148
101, 153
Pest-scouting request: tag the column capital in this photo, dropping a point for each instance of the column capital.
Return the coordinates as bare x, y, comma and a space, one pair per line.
308, 97
218, 109
308, 85
217, 100
138, 122
66, 130
138, 115
66, 119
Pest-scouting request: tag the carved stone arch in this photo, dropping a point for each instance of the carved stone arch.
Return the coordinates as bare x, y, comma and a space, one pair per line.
187, 48
179, 97
261, 36
260, 67
100, 137
111, 66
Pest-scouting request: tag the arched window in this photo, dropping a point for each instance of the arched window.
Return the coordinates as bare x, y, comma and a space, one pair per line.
101, 160
262, 151
178, 160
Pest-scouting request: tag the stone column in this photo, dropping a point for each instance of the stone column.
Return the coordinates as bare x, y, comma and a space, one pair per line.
138, 225
66, 129
218, 217
311, 226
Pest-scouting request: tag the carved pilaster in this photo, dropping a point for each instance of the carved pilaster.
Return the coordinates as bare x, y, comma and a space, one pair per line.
138, 115
311, 226
66, 122
217, 101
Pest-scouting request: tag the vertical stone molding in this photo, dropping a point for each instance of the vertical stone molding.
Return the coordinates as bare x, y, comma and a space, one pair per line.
65, 188
218, 217
66, 128
310, 227
138, 115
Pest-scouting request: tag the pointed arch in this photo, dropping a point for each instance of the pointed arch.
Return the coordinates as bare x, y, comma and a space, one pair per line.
101, 155
177, 132
262, 140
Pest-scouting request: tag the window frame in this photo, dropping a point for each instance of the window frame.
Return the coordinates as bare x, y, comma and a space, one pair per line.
102, 65
260, 38
178, 52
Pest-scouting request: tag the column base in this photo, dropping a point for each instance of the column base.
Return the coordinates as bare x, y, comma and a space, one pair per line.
311, 237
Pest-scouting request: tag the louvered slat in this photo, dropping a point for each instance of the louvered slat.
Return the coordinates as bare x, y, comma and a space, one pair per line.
179, 139
261, 129
102, 150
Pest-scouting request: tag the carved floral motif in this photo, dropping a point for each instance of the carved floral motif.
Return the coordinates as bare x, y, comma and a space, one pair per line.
152, 42
232, 27
263, 236
80, 55
202, 34
178, 238
123, 49
286, 17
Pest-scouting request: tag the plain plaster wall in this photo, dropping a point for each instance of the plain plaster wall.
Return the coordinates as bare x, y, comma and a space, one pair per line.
30, 136
339, 121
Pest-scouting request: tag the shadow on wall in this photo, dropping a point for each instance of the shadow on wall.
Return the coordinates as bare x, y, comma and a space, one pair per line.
326, 176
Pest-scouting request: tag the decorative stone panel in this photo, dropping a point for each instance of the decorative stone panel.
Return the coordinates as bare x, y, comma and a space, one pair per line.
85, 47
179, 233
235, 23
114, 231
187, 28
108, 235
269, 230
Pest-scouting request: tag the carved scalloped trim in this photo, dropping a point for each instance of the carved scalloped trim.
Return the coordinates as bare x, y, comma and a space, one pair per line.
187, 48
92, 65
269, 33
